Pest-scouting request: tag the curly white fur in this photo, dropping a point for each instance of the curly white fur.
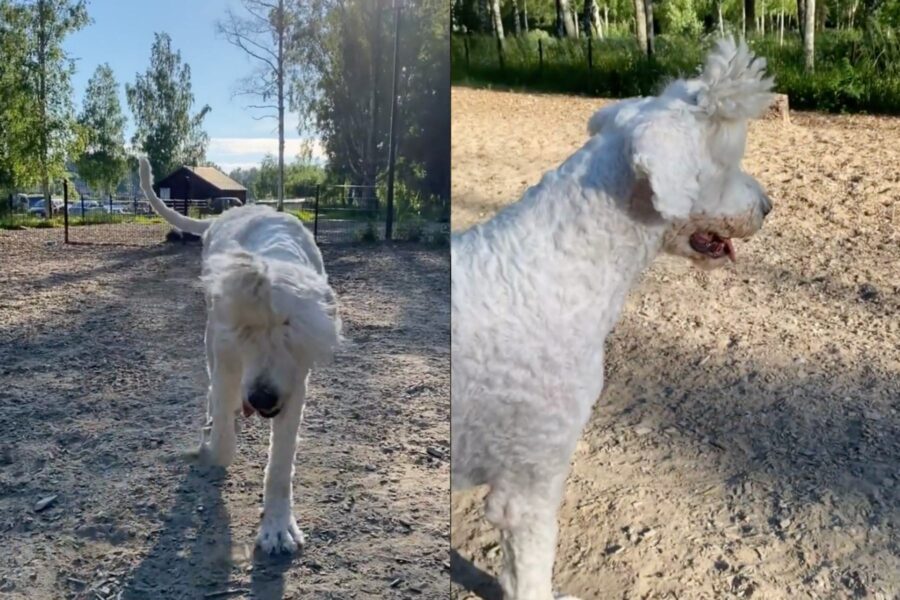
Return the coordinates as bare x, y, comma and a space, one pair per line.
537, 289
271, 317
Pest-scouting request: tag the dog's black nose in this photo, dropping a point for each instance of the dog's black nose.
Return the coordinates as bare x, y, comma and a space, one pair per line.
262, 397
766, 206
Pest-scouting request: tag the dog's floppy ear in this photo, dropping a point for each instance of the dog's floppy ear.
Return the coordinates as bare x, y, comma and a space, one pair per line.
664, 152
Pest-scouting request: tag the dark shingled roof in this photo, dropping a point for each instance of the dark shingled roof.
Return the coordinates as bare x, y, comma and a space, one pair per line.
216, 178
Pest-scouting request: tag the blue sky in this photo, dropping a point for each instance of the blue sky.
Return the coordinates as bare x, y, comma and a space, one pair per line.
121, 34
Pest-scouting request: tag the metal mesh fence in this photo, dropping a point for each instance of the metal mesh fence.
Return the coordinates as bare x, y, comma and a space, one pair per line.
335, 214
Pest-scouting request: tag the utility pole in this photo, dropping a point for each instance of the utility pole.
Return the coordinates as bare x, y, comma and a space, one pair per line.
392, 142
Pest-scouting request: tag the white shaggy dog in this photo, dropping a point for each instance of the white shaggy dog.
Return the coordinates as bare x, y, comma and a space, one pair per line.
271, 316
537, 289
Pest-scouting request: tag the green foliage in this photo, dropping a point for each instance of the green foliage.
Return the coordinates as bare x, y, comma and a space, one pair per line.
161, 101
37, 126
16, 100
369, 235
351, 57
679, 17
855, 70
102, 162
262, 182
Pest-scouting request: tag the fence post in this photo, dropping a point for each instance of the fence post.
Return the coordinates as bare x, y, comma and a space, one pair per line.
466, 46
590, 54
187, 193
541, 55
82, 208
66, 211
110, 206
316, 215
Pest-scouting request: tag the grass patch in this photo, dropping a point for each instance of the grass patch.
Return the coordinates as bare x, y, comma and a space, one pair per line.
856, 71
13, 221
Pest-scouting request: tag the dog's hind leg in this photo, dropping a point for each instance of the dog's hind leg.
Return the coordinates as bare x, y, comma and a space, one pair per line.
526, 519
278, 531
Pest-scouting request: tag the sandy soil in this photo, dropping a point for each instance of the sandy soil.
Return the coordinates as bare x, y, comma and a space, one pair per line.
748, 441
102, 380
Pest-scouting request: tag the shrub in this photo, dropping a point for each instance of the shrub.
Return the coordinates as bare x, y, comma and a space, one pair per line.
369, 235
857, 70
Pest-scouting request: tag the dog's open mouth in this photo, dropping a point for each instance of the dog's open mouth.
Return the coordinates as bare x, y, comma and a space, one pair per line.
249, 411
712, 245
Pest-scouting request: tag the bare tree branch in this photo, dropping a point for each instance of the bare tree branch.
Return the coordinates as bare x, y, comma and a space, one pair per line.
239, 40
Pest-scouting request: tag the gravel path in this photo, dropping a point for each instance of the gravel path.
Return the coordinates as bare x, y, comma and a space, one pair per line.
102, 381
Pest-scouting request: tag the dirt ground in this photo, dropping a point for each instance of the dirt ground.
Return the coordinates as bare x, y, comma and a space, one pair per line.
102, 384
748, 440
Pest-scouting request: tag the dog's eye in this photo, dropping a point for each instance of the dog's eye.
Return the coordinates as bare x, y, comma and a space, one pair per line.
287, 322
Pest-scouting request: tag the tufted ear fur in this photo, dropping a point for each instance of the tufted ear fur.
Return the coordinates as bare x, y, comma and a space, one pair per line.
664, 152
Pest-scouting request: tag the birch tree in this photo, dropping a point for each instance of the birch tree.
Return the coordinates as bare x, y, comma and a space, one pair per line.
809, 33
262, 33
640, 25
102, 163
49, 76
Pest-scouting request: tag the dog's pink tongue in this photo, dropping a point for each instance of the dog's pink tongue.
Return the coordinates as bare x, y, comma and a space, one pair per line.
248, 410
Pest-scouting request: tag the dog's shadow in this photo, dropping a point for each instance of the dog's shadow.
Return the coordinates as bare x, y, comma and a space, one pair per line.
473, 579
193, 556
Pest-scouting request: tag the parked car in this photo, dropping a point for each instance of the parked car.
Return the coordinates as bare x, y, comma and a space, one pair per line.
36, 205
116, 209
87, 206
24, 202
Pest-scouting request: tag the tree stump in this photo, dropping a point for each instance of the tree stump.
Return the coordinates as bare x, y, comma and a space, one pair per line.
779, 109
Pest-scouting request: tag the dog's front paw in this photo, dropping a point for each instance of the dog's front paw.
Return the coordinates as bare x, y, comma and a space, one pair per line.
205, 454
279, 533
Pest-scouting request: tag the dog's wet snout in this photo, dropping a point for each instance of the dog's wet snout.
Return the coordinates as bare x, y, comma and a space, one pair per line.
263, 397
766, 205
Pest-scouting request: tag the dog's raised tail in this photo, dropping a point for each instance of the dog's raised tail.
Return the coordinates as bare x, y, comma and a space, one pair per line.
736, 86
175, 219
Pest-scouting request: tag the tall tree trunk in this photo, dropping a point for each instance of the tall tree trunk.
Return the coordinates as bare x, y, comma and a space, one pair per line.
484, 16
496, 19
744, 19
280, 17
517, 25
565, 23
640, 25
809, 35
781, 28
750, 10
606, 19
42, 99
574, 16
762, 19
721, 20
801, 18
651, 45
591, 19
370, 164
525, 15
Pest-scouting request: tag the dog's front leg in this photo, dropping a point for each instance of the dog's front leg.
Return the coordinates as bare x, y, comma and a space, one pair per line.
279, 531
219, 441
526, 519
